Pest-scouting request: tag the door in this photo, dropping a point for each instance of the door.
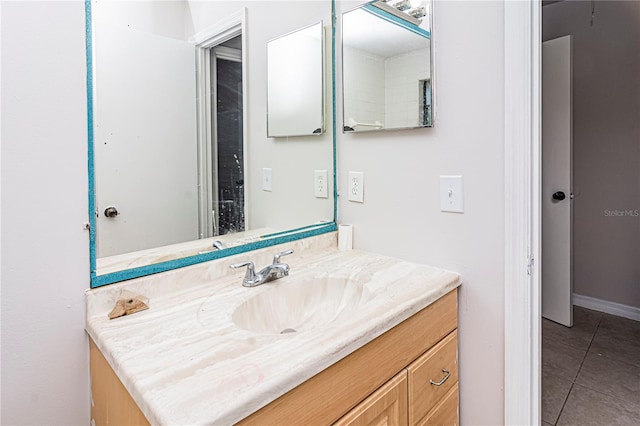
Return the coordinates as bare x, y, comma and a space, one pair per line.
557, 171
145, 140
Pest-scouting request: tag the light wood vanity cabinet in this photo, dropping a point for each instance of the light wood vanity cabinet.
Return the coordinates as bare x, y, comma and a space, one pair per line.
385, 382
111, 404
411, 397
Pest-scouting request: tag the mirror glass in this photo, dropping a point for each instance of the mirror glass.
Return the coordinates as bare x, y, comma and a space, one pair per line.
295, 83
386, 66
183, 165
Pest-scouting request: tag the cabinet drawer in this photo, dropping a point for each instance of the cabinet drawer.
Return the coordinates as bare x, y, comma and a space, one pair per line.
427, 371
445, 413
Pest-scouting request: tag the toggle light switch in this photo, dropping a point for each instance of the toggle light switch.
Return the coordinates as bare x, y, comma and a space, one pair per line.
266, 179
321, 190
451, 194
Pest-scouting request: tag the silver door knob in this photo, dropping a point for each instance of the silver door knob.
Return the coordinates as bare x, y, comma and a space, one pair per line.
111, 211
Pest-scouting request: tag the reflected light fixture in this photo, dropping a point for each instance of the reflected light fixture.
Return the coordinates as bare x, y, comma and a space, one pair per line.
418, 12
413, 8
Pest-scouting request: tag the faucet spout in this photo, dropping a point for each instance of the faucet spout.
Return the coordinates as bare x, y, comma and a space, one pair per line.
274, 272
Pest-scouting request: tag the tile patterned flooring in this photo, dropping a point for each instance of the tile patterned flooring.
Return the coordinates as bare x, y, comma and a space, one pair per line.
591, 372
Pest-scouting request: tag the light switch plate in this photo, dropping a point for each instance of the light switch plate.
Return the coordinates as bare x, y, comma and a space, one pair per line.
266, 179
356, 187
451, 194
320, 184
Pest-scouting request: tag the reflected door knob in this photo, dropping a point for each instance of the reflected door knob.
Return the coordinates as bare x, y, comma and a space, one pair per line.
558, 196
111, 211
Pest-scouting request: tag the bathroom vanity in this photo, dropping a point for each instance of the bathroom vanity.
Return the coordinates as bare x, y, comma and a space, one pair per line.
373, 338
388, 378
347, 337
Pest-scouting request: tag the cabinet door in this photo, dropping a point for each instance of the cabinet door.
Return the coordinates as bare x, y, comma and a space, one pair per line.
111, 403
432, 376
385, 407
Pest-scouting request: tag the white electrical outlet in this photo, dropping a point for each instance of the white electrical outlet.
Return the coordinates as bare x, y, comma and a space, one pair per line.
356, 187
451, 194
321, 189
266, 179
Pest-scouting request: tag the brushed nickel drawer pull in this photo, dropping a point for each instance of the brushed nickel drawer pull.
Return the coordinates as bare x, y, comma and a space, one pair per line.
444, 379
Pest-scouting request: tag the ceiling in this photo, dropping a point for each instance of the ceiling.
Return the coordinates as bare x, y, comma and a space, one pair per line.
364, 31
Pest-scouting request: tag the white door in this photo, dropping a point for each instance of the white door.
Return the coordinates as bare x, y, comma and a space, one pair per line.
145, 140
557, 171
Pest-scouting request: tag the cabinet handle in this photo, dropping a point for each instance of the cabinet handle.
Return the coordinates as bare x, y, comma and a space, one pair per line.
444, 379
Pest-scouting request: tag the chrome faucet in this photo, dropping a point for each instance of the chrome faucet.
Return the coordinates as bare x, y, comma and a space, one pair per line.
217, 245
269, 273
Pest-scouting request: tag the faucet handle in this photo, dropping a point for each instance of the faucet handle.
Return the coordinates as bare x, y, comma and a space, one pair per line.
277, 256
251, 270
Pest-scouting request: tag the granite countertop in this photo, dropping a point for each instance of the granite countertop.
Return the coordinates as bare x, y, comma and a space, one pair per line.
185, 361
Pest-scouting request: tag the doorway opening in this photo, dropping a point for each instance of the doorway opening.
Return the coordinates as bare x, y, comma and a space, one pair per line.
226, 139
523, 35
221, 81
602, 340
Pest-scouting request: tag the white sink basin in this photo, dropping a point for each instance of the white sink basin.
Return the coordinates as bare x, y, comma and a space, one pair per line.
300, 305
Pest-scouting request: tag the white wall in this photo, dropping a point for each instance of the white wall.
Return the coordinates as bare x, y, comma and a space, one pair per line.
606, 144
166, 18
45, 257
400, 215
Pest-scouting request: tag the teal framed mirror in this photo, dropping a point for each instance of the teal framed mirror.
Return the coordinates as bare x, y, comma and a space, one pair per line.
181, 170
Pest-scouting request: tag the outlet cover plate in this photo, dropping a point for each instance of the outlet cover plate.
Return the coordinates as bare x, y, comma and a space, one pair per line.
356, 187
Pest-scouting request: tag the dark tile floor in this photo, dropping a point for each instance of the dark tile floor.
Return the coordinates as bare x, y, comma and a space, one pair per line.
591, 372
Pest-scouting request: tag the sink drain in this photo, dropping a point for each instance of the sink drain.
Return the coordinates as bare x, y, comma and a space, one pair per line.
288, 330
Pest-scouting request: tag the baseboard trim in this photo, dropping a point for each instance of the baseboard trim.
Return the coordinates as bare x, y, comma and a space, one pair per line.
613, 308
